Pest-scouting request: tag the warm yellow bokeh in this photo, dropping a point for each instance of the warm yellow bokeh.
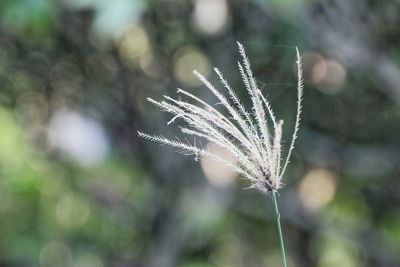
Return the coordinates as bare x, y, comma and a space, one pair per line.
317, 189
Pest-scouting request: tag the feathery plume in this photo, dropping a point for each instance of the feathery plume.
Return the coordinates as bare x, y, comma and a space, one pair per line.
253, 138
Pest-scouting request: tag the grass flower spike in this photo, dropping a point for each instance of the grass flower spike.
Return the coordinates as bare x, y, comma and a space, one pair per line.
252, 137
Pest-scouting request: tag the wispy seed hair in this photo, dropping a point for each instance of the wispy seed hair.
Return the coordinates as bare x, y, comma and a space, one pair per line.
252, 137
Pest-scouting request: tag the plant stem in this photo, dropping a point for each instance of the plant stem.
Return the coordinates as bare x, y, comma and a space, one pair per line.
278, 222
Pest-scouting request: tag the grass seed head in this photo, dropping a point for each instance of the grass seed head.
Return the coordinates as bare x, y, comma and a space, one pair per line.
252, 137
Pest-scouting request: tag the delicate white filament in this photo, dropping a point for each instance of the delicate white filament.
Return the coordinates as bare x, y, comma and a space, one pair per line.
246, 135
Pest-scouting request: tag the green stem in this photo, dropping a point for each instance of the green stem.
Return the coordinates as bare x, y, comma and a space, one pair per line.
278, 222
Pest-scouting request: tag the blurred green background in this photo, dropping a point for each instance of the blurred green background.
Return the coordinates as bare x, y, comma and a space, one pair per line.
79, 189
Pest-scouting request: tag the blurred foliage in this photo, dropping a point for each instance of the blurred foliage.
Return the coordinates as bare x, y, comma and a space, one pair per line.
77, 187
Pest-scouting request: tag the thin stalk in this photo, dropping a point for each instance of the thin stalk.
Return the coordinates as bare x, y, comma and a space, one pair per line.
278, 223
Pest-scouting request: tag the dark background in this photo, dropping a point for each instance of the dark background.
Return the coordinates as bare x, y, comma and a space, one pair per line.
78, 188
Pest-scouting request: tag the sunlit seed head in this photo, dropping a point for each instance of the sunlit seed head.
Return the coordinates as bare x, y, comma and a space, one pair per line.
254, 144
